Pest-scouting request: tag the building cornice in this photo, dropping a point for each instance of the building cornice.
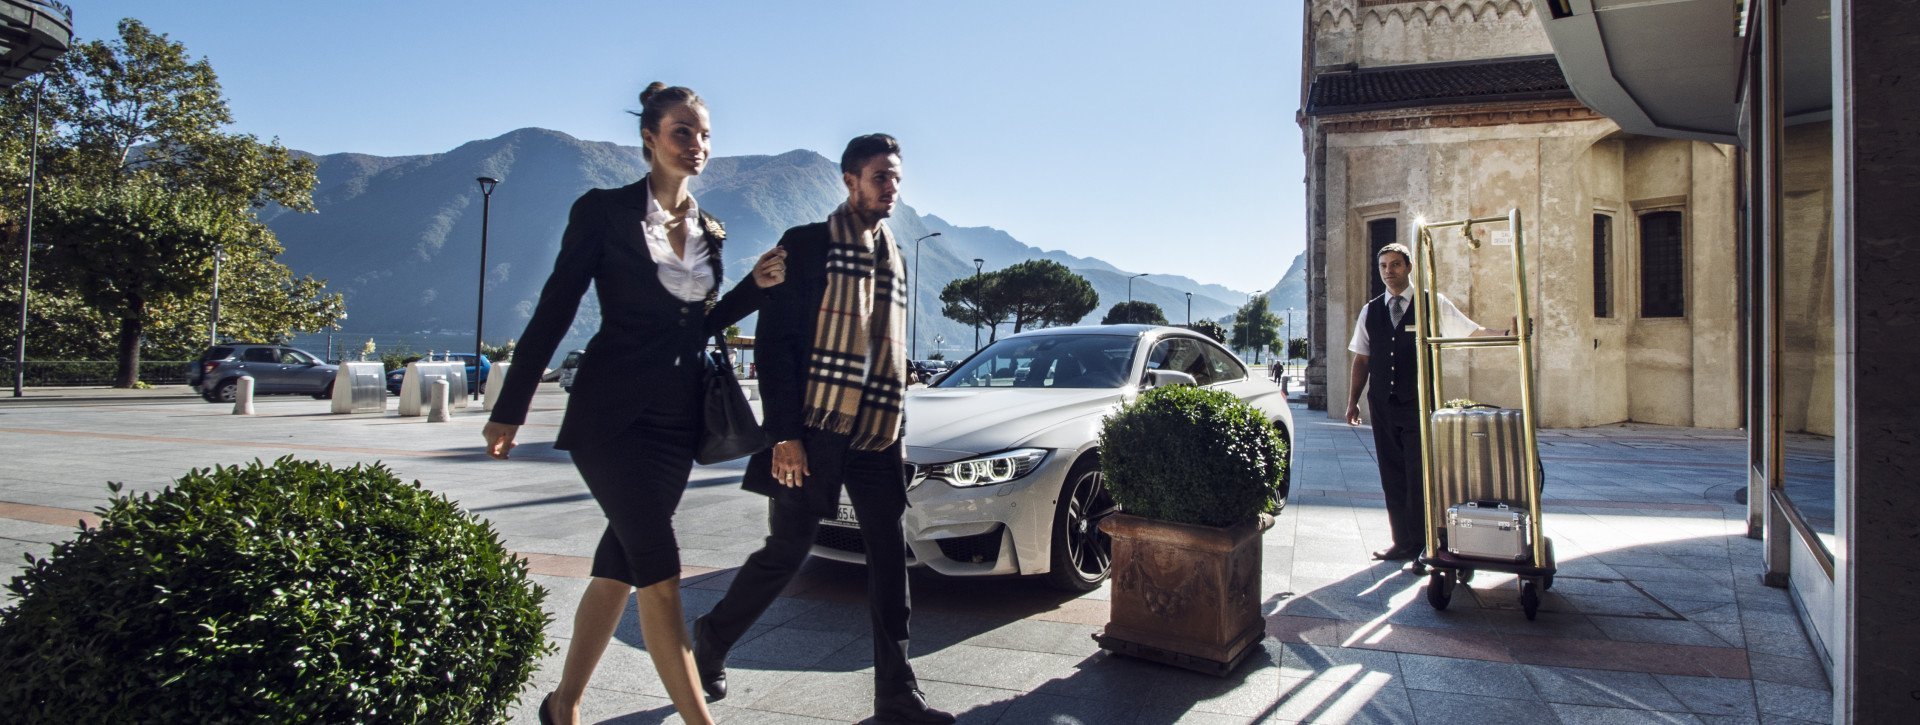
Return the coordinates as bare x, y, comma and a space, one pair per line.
1455, 116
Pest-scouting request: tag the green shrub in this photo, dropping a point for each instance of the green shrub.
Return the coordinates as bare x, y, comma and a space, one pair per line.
286, 593
1193, 456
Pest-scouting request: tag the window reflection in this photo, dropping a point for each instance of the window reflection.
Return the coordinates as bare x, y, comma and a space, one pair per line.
1806, 324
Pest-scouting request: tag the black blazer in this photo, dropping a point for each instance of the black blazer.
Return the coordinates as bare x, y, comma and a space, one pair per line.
642, 326
781, 344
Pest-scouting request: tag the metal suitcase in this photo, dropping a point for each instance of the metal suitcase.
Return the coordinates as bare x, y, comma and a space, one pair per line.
1479, 454
1489, 530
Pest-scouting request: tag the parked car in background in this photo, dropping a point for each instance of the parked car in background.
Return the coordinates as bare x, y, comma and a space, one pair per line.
569, 367
275, 369
570, 362
1004, 449
924, 370
474, 382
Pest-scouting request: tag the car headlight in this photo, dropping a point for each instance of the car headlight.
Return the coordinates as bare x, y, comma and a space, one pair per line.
988, 470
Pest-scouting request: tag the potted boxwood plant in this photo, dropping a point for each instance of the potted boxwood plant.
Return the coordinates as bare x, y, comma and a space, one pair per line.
1198, 474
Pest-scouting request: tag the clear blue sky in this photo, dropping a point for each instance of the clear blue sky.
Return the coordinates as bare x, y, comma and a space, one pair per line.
1158, 136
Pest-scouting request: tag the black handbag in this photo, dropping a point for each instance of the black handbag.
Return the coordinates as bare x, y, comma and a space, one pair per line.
730, 430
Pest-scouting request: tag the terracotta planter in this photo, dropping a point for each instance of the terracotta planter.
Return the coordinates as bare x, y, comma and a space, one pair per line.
1185, 595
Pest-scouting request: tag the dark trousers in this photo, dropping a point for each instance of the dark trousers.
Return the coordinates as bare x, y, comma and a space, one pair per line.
637, 477
1396, 445
876, 484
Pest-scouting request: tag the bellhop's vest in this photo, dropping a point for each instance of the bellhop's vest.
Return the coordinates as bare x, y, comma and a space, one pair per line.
1392, 374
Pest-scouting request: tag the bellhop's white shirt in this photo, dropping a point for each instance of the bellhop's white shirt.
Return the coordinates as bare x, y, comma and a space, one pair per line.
687, 277
1453, 322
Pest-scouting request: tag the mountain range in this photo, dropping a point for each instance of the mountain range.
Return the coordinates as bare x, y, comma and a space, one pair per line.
400, 236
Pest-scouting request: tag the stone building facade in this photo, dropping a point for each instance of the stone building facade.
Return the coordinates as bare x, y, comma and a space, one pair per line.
1442, 110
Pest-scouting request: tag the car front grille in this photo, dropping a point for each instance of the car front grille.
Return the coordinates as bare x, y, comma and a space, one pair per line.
840, 538
977, 549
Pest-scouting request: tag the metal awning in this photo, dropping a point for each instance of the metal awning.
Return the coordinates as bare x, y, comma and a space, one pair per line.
32, 34
1668, 68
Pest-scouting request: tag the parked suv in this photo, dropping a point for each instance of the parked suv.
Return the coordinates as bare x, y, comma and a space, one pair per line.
276, 369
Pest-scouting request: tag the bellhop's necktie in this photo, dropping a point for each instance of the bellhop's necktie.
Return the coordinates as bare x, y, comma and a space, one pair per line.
1399, 308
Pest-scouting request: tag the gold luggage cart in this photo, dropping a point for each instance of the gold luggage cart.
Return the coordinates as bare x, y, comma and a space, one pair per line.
1534, 568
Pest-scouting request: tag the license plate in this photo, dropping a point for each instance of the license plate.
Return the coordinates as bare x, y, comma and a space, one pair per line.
844, 516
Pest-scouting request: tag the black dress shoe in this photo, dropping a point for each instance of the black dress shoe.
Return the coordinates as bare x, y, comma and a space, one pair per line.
545, 717
908, 707
1395, 554
709, 661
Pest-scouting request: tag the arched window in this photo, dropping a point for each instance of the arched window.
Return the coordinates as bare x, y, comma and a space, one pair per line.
1663, 269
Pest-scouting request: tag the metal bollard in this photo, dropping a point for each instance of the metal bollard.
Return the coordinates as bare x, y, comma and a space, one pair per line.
496, 380
438, 412
243, 395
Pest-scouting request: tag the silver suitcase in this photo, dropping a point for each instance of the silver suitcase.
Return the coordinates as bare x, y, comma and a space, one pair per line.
1479, 454
1489, 530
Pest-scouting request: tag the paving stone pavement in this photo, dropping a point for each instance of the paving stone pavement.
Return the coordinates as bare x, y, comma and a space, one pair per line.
1658, 614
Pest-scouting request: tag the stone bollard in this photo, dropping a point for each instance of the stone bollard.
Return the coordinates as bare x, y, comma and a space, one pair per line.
243, 395
438, 412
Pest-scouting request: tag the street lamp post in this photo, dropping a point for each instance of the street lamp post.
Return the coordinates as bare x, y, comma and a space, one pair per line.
26, 249
977, 262
213, 314
1288, 342
913, 300
1189, 309
1130, 285
480, 317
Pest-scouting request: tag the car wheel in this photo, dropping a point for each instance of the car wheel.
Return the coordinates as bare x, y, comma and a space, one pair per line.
226, 391
325, 393
1082, 553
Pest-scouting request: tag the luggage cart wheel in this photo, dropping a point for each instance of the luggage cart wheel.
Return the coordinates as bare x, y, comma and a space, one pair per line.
1466, 576
1440, 589
1419, 568
1530, 598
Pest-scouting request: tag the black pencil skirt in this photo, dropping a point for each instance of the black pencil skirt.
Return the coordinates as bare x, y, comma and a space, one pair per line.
638, 476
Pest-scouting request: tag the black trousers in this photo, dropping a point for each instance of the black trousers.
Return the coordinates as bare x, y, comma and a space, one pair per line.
875, 481
1396, 445
637, 477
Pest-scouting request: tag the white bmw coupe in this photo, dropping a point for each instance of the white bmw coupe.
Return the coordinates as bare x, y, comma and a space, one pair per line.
1005, 448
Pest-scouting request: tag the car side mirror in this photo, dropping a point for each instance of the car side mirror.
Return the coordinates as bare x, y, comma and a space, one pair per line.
1158, 378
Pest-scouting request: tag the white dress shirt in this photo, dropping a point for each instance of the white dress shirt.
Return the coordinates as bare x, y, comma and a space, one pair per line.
688, 277
1453, 322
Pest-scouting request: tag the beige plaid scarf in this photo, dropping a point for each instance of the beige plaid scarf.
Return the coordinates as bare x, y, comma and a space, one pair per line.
849, 391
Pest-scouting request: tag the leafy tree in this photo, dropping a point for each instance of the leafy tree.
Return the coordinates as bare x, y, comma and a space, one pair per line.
133, 126
1254, 326
1135, 312
1211, 329
972, 301
1297, 349
138, 106
1042, 293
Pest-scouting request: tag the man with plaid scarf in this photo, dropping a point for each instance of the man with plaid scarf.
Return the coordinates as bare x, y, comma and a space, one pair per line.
832, 349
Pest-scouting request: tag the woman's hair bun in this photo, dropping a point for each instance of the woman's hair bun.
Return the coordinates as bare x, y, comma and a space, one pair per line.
653, 89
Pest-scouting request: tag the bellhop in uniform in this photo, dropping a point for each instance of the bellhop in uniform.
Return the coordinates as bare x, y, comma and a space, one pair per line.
1384, 367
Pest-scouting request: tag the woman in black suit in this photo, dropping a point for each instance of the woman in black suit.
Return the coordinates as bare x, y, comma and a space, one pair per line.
634, 416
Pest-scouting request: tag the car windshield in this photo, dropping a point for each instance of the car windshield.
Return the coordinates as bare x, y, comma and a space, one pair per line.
1047, 361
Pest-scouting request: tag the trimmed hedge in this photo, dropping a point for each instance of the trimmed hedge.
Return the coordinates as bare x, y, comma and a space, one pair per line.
49, 373
1193, 456
289, 593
